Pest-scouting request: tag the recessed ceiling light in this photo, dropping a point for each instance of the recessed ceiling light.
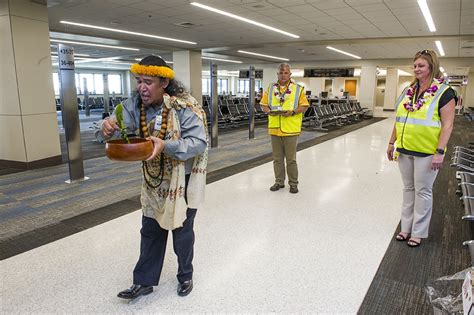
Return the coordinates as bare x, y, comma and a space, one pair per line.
343, 52
262, 55
242, 19
91, 44
440, 48
225, 60
427, 15
127, 32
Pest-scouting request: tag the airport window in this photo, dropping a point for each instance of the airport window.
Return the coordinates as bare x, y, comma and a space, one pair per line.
206, 86
89, 82
95, 83
243, 86
98, 84
115, 83
222, 86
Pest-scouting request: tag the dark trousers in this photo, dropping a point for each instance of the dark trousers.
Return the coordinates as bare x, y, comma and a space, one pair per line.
153, 248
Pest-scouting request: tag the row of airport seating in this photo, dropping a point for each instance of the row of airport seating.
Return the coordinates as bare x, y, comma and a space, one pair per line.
333, 112
463, 160
234, 111
94, 102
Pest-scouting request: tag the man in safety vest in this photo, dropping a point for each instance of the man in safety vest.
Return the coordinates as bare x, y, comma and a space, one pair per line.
284, 102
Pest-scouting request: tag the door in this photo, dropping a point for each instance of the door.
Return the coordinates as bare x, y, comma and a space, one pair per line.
351, 87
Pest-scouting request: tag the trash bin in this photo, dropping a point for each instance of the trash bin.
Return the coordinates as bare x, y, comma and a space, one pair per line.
445, 293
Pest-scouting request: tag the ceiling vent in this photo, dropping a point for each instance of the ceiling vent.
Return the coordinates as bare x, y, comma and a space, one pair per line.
185, 24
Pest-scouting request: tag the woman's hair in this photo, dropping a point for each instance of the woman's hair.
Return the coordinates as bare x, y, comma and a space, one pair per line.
432, 58
174, 87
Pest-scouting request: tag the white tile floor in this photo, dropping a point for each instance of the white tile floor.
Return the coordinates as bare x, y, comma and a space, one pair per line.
256, 251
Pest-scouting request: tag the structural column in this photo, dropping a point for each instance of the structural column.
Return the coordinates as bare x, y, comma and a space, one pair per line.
391, 89
187, 66
28, 122
368, 85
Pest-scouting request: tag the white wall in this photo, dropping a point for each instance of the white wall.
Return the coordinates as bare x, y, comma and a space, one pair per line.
469, 94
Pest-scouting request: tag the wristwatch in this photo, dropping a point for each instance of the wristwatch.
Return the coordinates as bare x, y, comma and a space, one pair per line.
440, 151
293, 113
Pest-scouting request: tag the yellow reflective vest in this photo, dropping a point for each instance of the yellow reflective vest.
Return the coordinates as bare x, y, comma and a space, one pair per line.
291, 125
419, 130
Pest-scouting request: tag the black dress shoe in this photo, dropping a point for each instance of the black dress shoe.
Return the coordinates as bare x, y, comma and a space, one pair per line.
294, 189
185, 288
135, 291
276, 187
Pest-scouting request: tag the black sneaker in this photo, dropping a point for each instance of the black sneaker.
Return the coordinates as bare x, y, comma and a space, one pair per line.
293, 189
276, 186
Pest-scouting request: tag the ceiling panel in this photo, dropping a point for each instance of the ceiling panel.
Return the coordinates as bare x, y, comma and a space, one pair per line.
318, 22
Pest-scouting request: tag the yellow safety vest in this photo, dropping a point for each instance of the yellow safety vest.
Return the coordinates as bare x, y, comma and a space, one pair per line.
419, 130
288, 125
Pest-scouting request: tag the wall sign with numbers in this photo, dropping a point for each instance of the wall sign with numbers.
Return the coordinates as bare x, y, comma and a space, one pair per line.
66, 58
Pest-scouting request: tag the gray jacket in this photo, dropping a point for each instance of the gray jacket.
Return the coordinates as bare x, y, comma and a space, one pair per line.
193, 137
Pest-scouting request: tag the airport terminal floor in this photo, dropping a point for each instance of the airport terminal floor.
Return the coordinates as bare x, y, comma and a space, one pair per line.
328, 249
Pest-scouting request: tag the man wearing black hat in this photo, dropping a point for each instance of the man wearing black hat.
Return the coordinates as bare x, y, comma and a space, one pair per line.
174, 176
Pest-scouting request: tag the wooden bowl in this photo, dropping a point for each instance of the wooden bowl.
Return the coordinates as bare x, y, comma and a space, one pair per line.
138, 149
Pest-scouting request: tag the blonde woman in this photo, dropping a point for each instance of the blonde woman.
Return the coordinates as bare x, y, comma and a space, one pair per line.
424, 121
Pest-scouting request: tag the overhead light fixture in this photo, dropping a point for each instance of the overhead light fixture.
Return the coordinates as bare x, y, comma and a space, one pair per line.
78, 55
440, 48
225, 60
262, 55
242, 19
427, 14
127, 32
91, 44
84, 60
343, 52
75, 58
140, 59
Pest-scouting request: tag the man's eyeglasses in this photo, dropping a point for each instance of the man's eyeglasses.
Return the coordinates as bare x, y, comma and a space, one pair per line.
423, 52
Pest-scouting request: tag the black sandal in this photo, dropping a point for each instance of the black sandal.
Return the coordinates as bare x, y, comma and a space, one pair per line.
400, 237
413, 243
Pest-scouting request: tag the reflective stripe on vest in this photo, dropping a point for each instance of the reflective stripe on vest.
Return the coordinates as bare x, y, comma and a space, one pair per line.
270, 96
431, 110
297, 96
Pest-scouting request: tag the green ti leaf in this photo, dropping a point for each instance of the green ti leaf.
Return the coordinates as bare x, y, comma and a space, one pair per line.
120, 122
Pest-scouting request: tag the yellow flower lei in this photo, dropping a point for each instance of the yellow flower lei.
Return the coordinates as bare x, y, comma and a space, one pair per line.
153, 71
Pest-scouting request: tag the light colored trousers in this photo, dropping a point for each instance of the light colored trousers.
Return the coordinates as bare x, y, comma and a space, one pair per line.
285, 148
418, 179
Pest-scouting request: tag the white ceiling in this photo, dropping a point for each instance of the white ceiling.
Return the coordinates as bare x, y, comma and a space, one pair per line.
371, 29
